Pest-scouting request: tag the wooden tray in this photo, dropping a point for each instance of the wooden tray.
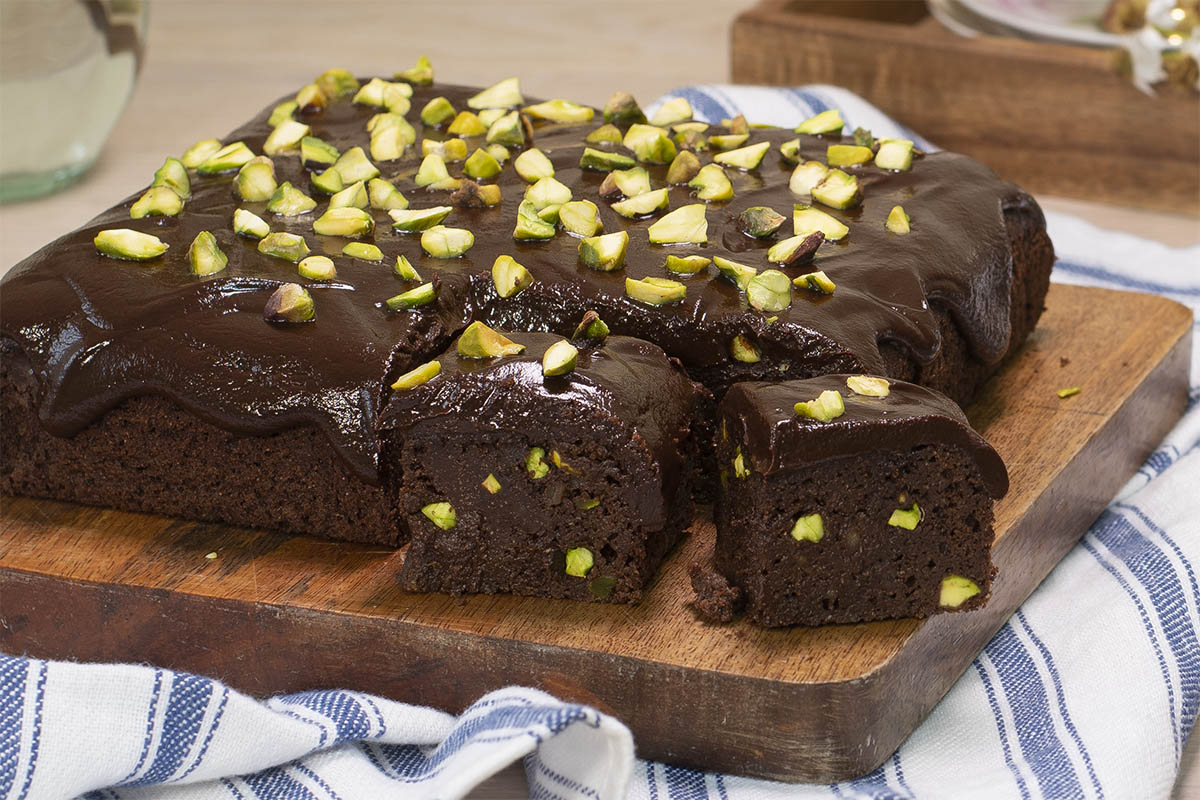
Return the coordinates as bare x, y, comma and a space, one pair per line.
1054, 118
273, 613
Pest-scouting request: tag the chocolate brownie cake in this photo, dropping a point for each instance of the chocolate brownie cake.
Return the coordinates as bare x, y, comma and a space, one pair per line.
550, 468
848, 498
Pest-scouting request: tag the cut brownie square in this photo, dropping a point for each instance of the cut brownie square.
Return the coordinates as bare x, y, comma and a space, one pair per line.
848, 499
513, 478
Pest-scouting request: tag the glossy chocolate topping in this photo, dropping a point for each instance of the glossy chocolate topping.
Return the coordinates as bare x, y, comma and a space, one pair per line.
773, 437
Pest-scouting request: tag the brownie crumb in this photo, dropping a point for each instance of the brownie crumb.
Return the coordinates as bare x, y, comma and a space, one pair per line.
1063, 361
716, 600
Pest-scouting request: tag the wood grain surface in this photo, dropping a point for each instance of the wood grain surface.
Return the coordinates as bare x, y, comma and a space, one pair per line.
273, 613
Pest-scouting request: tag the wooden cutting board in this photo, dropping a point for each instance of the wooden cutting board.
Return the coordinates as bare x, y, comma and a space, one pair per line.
273, 613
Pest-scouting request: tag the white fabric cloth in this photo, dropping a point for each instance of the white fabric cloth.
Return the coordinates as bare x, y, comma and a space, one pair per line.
1089, 691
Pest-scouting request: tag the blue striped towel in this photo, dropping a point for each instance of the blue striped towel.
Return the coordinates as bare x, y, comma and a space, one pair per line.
1089, 691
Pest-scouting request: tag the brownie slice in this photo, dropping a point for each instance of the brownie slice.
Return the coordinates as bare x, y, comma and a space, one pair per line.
569, 486
854, 507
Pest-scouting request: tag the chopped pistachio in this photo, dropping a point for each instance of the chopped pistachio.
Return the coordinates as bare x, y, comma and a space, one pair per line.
579, 562
317, 151
491, 484
247, 223
446, 185
817, 282
956, 590
157, 201
711, 183
288, 201
422, 375
622, 108
388, 144
795, 250
505, 94
728, 141
548, 192
200, 152
311, 99
129, 245
605, 134
559, 462
737, 125
442, 242
432, 170
790, 151
317, 268
604, 253
807, 175
601, 161
205, 255
743, 349
687, 265
868, 385
847, 155
499, 152
628, 182
466, 123
806, 220
346, 221
898, 221
587, 505
643, 204
675, 110
591, 328
228, 158
535, 463
580, 218
837, 190
337, 82
748, 157
371, 93
328, 182
809, 528
291, 302
470, 194
481, 165
441, 514
683, 168
685, 225
285, 136
418, 219
533, 165
1063, 394
386, 121
480, 341
421, 74
437, 112
550, 213
739, 464
488, 116
531, 227
405, 270
691, 140
287, 246
509, 277
894, 154
760, 221
450, 150
173, 174
906, 518
769, 290
255, 181
507, 130
739, 274
863, 138
560, 111
384, 195
649, 144
363, 251
826, 122
559, 359
355, 166
827, 406
422, 295
655, 291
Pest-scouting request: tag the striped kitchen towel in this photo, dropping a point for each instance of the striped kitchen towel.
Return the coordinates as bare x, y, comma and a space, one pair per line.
1089, 691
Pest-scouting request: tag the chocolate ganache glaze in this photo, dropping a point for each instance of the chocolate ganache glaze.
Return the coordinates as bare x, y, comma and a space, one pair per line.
99, 330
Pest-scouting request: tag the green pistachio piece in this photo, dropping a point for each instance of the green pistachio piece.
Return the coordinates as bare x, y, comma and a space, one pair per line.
533, 165
550, 213
157, 201
481, 165
472, 195
622, 108
247, 223
828, 406
129, 245
548, 192
685, 225
795, 249
604, 253
838, 190
466, 123
422, 295
580, 218
737, 125
287, 246
691, 140
649, 144
696, 126
535, 463
405, 270
956, 590
863, 138
437, 112
441, 514
291, 302
419, 376
311, 99
790, 151
906, 518
815, 282
769, 290
743, 349
173, 174
285, 136
507, 130
317, 268
847, 155
711, 183
499, 152
328, 182
205, 255
228, 158
628, 182
346, 221
488, 116
480, 341
446, 185
605, 134
643, 204
200, 152
579, 562
739, 464
601, 161
421, 74
826, 122
738, 274
898, 221
442, 242
371, 93
432, 170
255, 181
591, 328
384, 195
491, 484
1069, 391
683, 168
531, 227
560, 111
381, 122
655, 291
450, 150
894, 154
806, 176
760, 221
673, 111
868, 385
806, 220
315, 152
596, 587
747, 158
509, 277
505, 94
337, 82
687, 265
809, 528
728, 141
388, 144
560, 358
355, 166
288, 201
363, 251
